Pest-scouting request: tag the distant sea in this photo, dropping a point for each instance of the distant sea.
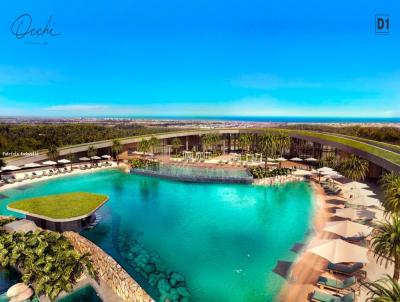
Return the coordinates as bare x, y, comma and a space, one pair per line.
274, 119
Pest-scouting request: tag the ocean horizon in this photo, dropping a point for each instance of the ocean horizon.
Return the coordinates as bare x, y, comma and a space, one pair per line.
271, 119
250, 119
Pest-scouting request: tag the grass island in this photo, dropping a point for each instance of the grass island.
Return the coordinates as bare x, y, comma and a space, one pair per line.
60, 212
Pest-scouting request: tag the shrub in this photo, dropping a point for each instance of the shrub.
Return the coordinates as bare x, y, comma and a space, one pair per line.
46, 259
259, 172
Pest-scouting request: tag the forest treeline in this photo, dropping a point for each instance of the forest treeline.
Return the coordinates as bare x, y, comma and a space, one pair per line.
28, 138
382, 134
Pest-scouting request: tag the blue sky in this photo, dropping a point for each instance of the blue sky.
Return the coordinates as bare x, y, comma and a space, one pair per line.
255, 58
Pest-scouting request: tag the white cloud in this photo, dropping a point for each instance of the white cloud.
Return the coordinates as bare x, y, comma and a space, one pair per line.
78, 108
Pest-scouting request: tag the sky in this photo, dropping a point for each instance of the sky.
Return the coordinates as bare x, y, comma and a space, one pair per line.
199, 58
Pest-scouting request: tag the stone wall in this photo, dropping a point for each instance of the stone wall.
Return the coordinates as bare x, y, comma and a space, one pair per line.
109, 270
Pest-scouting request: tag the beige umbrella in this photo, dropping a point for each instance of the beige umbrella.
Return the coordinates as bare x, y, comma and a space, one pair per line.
49, 163
347, 229
281, 159
19, 289
355, 214
338, 251
63, 161
301, 172
311, 159
358, 193
296, 159
32, 165
323, 169
365, 201
355, 185
10, 168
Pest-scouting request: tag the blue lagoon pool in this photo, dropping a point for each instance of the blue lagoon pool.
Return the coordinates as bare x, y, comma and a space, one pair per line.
217, 242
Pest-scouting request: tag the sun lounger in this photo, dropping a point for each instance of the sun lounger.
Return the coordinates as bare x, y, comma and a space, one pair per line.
16, 179
9, 180
325, 297
356, 239
348, 270
336, 285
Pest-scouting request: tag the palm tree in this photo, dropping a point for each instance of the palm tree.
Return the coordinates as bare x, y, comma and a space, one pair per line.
386, 243
71, 157
92, 151
330, 161
154, 142
144, 146
267, 145
116, 148
282, 142
209, 140
52, 152
354, 168
390, 184
386, 289
245, 141
176, 144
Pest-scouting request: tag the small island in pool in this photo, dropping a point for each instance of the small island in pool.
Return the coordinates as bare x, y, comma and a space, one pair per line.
60, 212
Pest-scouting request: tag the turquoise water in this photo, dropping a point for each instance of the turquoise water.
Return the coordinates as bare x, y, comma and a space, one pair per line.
225, 239
84, 294
175, 170
197, 174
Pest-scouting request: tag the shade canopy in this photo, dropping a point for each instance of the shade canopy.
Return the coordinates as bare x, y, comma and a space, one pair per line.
84, 158
355, 214
106, 156
355, 185
32, 165
365, 201
296, 159
271, 159
336, 176
311, 159
358, 193
329, 172
63, 161
348, 228
301, 172
338, 251
281, 159
95, 157
10, 168
49, 162
323, 169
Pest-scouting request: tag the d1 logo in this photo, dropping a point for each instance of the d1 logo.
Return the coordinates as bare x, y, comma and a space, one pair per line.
382, 24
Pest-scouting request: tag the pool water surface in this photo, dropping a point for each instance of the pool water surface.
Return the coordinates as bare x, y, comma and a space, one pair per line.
214, 242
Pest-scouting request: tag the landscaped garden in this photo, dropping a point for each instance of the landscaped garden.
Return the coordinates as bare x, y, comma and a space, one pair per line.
46, 260
60, 206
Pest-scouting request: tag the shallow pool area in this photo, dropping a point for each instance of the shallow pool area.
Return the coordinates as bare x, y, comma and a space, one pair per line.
196, 174
230, 242
84, 294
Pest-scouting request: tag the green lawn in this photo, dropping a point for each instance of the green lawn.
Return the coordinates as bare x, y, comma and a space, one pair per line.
60, 206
